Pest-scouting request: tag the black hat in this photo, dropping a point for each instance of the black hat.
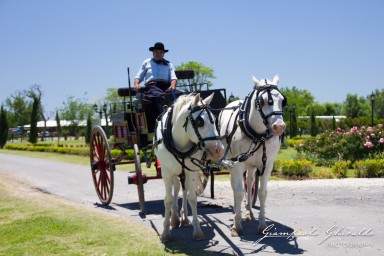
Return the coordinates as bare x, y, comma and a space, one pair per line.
158, 46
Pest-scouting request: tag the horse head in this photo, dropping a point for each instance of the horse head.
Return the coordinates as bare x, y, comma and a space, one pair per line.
269, 103
200, 127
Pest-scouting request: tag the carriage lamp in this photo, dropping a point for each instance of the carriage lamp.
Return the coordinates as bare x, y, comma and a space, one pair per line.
372, 101
96, 109
231, 98
101, 110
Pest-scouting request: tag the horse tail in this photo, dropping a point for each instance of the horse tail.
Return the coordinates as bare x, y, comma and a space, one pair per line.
201, 183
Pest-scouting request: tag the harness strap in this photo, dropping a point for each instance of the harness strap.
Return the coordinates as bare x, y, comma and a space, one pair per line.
180, 157
258, 140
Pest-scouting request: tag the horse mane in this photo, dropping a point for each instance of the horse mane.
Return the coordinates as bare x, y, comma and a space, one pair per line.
181, 101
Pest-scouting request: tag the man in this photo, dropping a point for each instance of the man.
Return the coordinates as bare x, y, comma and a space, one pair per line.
158, 75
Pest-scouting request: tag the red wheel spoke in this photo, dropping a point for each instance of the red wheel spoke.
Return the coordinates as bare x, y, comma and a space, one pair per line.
102, 171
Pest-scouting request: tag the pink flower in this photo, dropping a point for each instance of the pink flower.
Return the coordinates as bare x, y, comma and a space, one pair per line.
369, 129
301, 145
373, 135
368, 144
381, 140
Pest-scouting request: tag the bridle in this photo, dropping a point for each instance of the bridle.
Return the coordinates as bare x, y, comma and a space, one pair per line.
259, 103
242, 121
166, 131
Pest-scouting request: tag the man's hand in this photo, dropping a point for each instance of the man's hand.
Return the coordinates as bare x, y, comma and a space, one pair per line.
137, 85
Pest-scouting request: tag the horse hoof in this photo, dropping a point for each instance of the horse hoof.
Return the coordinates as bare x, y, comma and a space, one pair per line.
198, 237
185, 223
261, 229
235, 232
175, 223
165, 238
249, 216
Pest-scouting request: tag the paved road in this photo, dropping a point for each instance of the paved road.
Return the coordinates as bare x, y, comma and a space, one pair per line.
317, 217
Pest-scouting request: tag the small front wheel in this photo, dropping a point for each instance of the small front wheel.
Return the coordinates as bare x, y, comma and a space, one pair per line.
101, 165
140, 184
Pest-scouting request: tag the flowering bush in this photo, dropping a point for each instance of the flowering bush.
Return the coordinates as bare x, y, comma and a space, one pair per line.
352, 145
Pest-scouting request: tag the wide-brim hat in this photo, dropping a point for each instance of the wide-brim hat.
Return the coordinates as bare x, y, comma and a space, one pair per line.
158, 46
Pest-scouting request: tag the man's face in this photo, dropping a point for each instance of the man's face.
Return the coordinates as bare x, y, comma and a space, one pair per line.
158, 54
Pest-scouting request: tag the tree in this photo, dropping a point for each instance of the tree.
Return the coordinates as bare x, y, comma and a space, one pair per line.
59, 130
302, 99
19, 109
330, 109
88, 130
378, 108
354, 107
294, 124
3, 127
34, 120
35, 92
313, 126
112, 95
74, 111
202, 75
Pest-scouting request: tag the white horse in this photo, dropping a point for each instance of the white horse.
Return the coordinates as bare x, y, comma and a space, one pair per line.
252, 128
186, 136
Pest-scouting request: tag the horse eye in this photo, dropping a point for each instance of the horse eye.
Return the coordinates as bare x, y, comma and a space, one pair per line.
261, 100
199, 121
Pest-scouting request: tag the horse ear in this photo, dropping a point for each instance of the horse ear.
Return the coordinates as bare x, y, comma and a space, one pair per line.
208, 100
197, 99
276, 79
255, 81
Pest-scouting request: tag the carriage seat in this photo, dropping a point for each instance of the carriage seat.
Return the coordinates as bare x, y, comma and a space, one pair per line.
185, 74
126, 92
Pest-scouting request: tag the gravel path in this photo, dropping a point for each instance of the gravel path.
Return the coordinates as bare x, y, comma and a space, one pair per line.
312, 217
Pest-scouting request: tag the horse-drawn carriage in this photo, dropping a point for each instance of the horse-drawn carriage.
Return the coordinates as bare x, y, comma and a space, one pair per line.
133, 128
185, 138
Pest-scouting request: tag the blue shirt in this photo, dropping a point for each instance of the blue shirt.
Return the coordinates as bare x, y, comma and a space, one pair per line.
150, 70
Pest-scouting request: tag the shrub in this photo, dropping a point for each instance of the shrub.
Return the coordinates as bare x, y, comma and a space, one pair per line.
325, 174
369, 168
296, 167
355, 144
340, 169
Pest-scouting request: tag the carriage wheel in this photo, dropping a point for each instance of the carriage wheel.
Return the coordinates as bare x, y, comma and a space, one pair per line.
101, 165
140, 185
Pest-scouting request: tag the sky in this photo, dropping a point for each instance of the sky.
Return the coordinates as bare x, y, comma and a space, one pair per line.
80, 48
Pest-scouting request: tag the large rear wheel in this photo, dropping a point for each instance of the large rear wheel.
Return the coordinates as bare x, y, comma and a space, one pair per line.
101, 165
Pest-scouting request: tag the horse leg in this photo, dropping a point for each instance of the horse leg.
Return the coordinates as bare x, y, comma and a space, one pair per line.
250, 179
166, 235
185, 222
262, 196
238, 194
175, 217
192, 200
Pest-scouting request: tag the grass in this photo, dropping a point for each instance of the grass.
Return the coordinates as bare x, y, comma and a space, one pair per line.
33, 223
